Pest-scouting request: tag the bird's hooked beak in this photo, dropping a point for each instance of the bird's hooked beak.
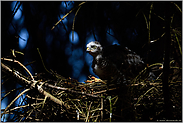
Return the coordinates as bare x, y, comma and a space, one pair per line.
88, 49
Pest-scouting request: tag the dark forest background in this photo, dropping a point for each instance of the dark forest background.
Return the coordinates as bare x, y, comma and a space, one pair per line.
140, 26
124, 23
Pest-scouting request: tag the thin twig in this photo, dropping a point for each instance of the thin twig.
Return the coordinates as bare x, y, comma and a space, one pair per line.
74, 22
11, 60
10, 92
102, 107
87, 119
42, 61
15, 100
23, 106
145, 94
51, 97
66, 15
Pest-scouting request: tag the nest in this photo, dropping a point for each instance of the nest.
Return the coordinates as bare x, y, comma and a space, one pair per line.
56, 98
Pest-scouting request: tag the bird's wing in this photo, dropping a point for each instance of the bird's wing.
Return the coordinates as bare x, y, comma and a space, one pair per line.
127, 61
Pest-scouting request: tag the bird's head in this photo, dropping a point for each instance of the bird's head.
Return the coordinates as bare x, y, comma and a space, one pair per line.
94, 48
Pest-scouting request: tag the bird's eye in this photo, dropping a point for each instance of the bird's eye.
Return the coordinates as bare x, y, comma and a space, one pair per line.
93, 46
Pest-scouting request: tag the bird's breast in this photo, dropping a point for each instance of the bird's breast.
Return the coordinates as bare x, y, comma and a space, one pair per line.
98, 71
104, 70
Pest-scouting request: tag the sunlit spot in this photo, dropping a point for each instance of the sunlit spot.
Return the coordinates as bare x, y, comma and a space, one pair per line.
78, 53
75, 60
3, 106
18, 13
66, 5
64, 20
73, 37
24, 36
20, 100
4, 103
115, 42
88, 59
77, 67
71, 60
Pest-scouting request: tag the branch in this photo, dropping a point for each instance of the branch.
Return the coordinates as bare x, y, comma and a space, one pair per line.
15, 100
32, 85
11, 60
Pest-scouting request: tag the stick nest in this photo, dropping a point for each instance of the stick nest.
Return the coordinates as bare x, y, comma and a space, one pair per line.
52, 97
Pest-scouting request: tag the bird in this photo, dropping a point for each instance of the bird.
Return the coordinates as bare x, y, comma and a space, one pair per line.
118, 65
114, 63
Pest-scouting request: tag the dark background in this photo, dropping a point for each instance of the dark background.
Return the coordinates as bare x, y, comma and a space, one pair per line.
106, 22
122, 23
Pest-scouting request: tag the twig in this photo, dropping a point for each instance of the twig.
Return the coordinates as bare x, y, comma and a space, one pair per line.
81, 109
28, 114
110, 116
8, 111
10, 92
66, 15
145, 84
16, 74
20, 65
33, 85
42, 61
96, 109
15, 100
149, 29
54, 99
177, 7
104, 91
178, 43
102, 107
74, 22
34, 98
88, 112
44, 101
72, 91
145, 94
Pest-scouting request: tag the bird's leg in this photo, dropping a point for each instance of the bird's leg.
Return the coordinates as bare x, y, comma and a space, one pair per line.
94, 79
